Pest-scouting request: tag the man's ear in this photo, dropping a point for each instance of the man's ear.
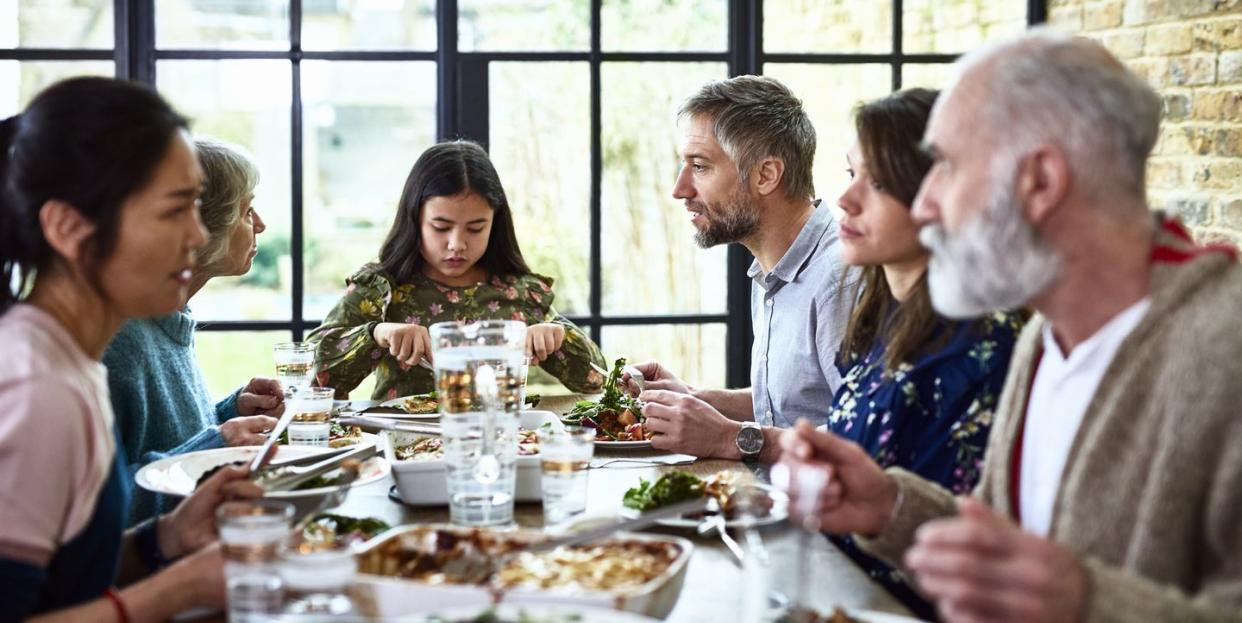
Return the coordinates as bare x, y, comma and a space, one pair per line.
766, 176
1042, 183
65, 229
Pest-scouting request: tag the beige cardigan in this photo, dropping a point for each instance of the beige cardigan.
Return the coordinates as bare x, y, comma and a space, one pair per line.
1151, 495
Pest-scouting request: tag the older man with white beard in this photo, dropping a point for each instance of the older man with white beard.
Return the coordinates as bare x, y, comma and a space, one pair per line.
1111, 488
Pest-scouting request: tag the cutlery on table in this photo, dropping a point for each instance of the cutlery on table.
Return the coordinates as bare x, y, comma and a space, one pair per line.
672, 459
387, 424
289, 478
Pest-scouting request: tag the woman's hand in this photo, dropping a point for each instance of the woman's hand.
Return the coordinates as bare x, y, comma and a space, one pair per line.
193, 523
408, 343
247, 431
542, 340
261, 397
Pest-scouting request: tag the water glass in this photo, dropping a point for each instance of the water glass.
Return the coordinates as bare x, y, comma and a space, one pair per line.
564, 457
251, 533
295, 364
312, 410
317, 580
476, 367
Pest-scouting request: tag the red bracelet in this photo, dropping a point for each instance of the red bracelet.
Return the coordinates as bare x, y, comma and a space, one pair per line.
122, 614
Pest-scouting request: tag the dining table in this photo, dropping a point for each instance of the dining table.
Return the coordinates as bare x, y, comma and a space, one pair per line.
714, 586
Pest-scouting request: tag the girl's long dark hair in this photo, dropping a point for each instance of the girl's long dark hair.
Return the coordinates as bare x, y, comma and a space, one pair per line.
446, 170
90, 142
889, 131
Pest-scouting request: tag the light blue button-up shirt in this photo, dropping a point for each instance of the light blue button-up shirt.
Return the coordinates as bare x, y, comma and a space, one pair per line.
799, 311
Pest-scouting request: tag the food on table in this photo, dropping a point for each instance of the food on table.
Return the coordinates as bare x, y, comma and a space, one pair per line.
806, 615
329, 531
610, 566
679, 486
421, 404
432, 448
341, 436
327, 480
490, 616
616, 417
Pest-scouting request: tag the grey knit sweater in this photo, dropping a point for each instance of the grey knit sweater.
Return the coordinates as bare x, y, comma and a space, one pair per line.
1151, 494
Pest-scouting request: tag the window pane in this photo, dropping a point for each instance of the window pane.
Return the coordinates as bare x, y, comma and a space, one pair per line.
954, 26
524, 25
828, 26
660, 25
389, 25
23, 80
222, 24
540, 141
231, 358
246, 103
651, 262
930, 76
365, 123
829, 93
696, 353
63, 24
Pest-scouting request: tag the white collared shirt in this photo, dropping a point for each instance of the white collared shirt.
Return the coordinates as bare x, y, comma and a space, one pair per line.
1063, 388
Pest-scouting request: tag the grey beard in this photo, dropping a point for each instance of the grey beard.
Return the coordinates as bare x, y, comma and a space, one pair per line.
736, 220
996, 262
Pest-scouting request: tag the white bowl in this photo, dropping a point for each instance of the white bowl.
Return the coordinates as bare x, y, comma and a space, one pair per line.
425, 482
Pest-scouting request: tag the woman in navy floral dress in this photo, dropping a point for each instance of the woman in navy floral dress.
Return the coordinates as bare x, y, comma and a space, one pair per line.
918, 390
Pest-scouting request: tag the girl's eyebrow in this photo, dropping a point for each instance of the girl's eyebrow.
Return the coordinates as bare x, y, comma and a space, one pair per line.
441, 219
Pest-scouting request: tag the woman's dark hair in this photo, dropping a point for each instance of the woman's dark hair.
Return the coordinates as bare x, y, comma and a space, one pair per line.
446, 170
889, 131
90, 142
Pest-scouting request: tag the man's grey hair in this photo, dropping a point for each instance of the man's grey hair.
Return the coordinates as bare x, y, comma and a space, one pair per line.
757, 117
1045, 86
230, 177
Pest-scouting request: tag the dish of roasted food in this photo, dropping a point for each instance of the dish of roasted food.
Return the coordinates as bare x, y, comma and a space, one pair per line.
612, 566
616, 417
329, 531
731, 497
341, 436
420, 404
805, 615
432, 448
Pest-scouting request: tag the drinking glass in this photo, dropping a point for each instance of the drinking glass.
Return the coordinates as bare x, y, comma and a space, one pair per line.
312, 410
295, 364
564, 457
476, 367
251, 533
317, 580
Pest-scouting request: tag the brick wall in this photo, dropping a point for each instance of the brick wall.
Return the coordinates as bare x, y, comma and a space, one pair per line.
1191, 52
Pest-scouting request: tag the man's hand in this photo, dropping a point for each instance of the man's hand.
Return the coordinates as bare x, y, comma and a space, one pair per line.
408, 343
655, 376
981, 568
261, 397
542, 340
193, 523
683, 423
247, 431
859, 496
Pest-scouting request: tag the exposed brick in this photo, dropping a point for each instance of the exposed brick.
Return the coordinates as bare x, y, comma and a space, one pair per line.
1101, 16
1173, 141
1231, 213
1230, 70
1164, 173
1217, 105
1219, 175
1134, 12
1227, 142
1192, 70
1068, 19
1154, 70
1176, 107
1165, 40
1200, 140
1127, 44
1193, 212
1190, 8
1216, 35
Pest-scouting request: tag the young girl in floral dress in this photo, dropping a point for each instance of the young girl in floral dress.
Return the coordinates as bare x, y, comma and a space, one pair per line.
452, 254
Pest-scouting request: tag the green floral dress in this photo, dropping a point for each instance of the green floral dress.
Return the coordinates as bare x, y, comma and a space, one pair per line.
346, 351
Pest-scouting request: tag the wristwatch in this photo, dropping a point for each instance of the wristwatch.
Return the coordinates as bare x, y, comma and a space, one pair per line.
750, 441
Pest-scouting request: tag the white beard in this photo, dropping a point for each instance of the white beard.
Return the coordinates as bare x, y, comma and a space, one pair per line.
995, 263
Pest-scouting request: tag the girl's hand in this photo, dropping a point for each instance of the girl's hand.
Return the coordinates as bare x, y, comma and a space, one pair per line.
193, 523
408, 343
542, 340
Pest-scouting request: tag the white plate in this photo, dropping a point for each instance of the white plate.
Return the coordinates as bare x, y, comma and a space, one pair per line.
542, 613
778, 513
177, 475
622, 445
396, 403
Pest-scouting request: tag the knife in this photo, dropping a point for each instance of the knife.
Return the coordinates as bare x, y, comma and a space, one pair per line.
272, 437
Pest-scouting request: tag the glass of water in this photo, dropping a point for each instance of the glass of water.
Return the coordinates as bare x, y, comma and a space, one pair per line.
564, 457
251, 534
295, 364
312, 411
477, 366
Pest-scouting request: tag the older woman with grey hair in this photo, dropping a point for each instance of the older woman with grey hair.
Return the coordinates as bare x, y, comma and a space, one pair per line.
161, 402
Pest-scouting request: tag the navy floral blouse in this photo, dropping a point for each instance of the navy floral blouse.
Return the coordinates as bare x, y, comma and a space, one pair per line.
931, 417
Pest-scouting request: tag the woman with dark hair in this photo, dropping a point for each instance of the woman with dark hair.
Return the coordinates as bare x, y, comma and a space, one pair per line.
918, 390
451, 254
98, 223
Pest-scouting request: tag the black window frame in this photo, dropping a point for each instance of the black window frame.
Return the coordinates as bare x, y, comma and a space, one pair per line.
462, 112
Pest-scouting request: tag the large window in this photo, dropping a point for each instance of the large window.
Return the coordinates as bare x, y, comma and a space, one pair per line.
575, 100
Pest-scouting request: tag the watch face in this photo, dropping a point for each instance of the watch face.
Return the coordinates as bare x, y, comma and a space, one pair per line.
750, 440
